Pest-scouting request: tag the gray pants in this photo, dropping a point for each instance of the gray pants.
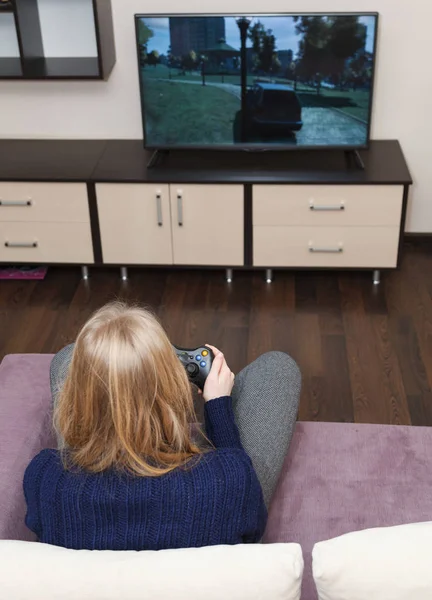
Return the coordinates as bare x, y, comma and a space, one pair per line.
266, 396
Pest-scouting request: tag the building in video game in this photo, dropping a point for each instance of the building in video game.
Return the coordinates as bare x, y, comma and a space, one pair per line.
285, 58
195, 33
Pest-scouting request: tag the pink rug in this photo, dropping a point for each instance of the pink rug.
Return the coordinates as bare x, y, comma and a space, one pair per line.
23, 272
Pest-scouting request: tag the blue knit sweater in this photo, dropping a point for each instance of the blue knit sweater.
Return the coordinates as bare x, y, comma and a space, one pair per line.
216, 501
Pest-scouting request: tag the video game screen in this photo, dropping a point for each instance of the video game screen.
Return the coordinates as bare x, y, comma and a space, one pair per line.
256, 80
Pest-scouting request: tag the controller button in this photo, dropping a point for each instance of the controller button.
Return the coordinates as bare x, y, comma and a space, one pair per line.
190, 356
198, 357
203, 363
204, 352
192, 369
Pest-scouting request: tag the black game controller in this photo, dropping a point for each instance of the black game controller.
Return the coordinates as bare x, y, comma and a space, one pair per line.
197, 363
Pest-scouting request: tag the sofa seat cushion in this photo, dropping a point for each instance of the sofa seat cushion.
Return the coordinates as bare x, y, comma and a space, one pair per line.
343, 477
25, 429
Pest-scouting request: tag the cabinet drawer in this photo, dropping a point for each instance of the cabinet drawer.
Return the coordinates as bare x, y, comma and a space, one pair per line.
372, 247
135, 223
48, 202
328, 205
46, 243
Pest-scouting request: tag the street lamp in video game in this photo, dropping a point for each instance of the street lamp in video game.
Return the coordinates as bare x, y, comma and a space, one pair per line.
203, 61
243, 24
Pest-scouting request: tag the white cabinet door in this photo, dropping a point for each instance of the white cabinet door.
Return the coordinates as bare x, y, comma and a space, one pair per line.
135, 223
207, 224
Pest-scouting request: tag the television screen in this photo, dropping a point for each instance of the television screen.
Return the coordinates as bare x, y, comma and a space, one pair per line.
224, 81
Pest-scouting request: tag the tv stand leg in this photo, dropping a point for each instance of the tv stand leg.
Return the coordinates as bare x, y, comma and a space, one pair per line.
355, 155
376, 277
229, 275
84, 272
156, 158
269, 275
358, 160
124, 273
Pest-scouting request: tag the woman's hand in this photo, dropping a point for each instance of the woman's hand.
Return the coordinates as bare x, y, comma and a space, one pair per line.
220, 380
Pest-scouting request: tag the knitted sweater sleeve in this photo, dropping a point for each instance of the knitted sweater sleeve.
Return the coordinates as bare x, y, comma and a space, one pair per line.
220, 424
222, 431
256, 524
31, 484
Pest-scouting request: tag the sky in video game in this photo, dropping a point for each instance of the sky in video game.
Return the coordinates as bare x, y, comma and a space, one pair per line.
283, 28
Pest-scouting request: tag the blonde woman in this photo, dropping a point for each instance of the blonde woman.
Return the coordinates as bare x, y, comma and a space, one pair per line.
128, 474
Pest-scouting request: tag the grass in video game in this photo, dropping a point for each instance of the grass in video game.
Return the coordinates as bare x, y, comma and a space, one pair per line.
298, 80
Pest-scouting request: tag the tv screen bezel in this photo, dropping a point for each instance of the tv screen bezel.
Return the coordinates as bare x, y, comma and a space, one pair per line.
258, 147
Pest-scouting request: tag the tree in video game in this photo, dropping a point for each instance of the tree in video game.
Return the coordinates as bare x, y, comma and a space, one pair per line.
264, 49
326, 45
144, 35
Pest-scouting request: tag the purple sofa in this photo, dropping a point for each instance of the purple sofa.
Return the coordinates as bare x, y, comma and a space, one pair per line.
337, 477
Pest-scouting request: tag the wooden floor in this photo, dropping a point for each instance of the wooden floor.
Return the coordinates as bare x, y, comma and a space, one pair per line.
365, 351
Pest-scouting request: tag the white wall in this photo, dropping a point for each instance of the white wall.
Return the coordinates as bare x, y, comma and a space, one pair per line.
8, 37
402, 103
67, 27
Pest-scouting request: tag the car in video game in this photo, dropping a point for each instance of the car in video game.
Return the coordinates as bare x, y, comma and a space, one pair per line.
273, 108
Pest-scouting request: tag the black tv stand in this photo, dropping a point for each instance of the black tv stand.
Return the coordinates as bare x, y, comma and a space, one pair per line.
274, 159
172, 209
353, 156
156, 158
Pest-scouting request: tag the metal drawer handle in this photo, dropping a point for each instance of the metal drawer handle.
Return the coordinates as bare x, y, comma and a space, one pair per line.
159, 209
16, 202
180, 208
21, 244
327, 207
326, 249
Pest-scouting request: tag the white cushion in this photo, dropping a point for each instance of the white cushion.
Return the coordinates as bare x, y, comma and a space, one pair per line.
376, 564
32, 571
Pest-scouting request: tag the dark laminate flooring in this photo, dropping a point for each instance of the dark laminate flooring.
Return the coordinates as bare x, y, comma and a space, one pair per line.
365, 351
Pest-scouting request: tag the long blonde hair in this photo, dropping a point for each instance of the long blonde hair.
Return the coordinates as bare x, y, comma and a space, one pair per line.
126, 402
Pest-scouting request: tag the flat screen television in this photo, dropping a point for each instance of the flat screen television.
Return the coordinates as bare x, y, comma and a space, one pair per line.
282, 81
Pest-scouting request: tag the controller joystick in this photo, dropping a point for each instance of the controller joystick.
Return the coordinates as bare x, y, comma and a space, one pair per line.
197, 362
